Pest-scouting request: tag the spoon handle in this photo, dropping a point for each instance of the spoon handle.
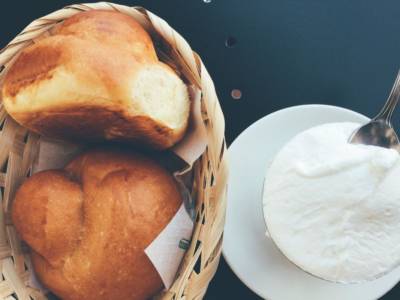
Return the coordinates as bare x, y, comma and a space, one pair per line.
386, 113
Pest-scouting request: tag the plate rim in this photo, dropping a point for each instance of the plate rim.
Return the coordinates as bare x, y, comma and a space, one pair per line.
255, 124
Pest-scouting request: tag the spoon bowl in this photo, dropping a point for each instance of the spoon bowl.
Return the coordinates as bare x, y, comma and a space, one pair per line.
379, 131
376, 133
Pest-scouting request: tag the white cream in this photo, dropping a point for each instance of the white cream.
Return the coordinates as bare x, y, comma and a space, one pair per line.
333, 208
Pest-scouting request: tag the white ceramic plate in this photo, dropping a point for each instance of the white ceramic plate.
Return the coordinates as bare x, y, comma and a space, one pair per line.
250, 254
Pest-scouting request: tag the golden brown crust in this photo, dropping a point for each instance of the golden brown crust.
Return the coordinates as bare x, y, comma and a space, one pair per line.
72, 124
124, 202
113, 29
31, 67
90, 62
94, 71
57, 201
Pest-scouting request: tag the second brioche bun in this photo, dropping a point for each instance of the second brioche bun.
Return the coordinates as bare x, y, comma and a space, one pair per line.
97, 76
89, 224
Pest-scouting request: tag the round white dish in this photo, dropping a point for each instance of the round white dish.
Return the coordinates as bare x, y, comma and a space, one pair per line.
249, 252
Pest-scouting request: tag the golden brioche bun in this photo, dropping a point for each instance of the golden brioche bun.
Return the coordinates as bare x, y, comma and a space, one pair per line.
88, 225
97, 76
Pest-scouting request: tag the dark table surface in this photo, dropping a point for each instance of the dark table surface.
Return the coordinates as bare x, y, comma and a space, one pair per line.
279, 53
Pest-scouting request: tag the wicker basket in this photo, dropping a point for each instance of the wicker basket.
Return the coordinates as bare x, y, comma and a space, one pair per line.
19, 149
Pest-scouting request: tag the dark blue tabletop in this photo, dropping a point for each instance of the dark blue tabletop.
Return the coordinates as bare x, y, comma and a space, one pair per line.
279, 53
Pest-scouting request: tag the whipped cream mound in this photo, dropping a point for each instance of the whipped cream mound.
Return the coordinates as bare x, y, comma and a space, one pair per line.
333, 208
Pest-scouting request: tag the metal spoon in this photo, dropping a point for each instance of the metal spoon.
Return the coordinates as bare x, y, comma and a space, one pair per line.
379, 131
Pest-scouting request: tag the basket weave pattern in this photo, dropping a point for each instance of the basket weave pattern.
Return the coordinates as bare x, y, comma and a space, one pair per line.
19, 150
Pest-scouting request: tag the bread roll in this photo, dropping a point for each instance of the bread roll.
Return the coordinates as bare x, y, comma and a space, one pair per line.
97, 76
88, 225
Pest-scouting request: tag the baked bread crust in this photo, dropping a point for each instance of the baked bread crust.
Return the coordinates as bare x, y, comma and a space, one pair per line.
96, 77
88, 225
